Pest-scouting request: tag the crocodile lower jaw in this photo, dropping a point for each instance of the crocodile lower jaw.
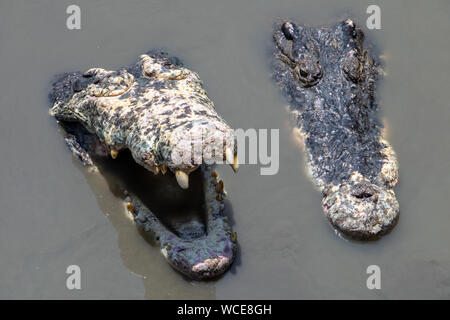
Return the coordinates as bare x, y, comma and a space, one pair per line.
195, 254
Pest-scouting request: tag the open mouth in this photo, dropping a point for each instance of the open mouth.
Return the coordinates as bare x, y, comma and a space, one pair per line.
190, 224
160, 193
200, 250
154, 117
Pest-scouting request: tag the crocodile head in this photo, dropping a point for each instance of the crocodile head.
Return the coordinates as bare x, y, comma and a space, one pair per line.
157, 111
329, 78
156, 108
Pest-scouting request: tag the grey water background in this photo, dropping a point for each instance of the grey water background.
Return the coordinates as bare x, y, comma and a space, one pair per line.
54, 214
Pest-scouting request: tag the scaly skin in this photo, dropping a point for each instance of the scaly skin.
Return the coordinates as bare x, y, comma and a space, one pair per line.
203, 257
155, 108
159, 111
329, 79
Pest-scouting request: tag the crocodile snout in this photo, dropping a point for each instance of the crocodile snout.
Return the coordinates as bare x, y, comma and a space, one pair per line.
361, 210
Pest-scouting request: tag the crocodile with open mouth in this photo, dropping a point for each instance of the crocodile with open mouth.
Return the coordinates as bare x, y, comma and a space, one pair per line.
329, 79
157, 111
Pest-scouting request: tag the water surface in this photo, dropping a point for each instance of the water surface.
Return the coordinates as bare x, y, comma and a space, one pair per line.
55, 214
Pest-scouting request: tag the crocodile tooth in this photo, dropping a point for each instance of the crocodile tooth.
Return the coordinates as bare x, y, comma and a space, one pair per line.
182, 179
235, 165
229, 155
114, 153
130, 207
231, 159
219, 186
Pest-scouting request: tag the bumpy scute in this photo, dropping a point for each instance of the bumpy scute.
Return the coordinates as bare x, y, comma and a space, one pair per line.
158, 110
329, 79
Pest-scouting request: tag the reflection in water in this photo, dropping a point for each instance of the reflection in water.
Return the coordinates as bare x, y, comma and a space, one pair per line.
167, 200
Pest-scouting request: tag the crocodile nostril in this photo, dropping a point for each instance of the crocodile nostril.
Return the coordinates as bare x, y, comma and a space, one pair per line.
362, 195
364, 191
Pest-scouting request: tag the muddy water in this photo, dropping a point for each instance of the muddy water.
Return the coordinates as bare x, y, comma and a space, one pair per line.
55, 214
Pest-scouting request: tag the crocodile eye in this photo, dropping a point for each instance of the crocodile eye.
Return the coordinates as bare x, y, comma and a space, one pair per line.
288, 29
303, 73
308, 72
109, 83
353, 67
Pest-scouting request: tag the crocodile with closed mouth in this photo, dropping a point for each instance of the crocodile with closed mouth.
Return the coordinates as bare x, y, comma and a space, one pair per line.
329, 78
157, 111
